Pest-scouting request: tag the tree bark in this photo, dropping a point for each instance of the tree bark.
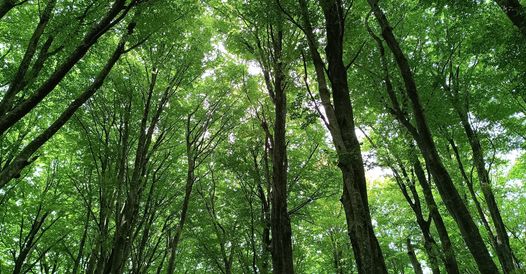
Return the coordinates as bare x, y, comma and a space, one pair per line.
366, 248
502, 242
414, 261
111, 18
430, 244
515, 12
281, 231
80, 252
450, 260
425, 142
174, 242
14, 168
265, 206
412, 197
340, 122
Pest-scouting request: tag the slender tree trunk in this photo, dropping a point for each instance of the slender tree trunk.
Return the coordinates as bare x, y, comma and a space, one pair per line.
29, 241
265, 217
502, 242
174, 242
265, 212
430, 244
336, 254
472, 192
414, 261
127, 223
282, 260
82, 241
424, 139
149, 217
450, 260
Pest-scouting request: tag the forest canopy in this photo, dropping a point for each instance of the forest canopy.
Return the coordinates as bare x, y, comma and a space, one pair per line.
262, 136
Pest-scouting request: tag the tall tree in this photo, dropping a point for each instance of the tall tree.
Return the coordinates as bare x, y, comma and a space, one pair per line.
340, 121
422, 135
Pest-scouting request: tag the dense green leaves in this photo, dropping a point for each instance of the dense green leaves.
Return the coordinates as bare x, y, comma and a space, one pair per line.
167, 164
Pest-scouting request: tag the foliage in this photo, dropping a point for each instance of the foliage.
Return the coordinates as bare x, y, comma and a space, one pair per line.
187, 103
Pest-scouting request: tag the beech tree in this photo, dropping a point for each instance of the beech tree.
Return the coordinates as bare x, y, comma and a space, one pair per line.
276, 136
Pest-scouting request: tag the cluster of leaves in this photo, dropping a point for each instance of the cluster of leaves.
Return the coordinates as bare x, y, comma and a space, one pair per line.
175, 143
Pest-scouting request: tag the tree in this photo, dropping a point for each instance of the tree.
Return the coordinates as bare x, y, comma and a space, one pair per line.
274, 136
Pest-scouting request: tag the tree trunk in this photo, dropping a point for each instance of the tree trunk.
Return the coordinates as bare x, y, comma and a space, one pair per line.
265, 214
449, 257
502, 243
80, 252
430, 244
127, 223
336, 254
282, 259
515, 12
174, 242
366, 248
414, 261
368, 256
6, 6
424, 139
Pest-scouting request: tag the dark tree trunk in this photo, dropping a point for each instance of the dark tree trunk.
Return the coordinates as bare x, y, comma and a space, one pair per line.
501, 242
139, 261
23, 158
337, 255
414, 261
80, 252
424, 139
282, 260
366, 248
368, 255
265, 210
450, 260
174, 242
515, 12
413, 200
29, 241
127, 223
6, 6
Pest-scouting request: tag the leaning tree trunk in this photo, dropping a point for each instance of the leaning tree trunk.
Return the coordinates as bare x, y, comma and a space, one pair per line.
450, 260
423, 137
501, 242
414, 261
174, 242
515, 12
413, 200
